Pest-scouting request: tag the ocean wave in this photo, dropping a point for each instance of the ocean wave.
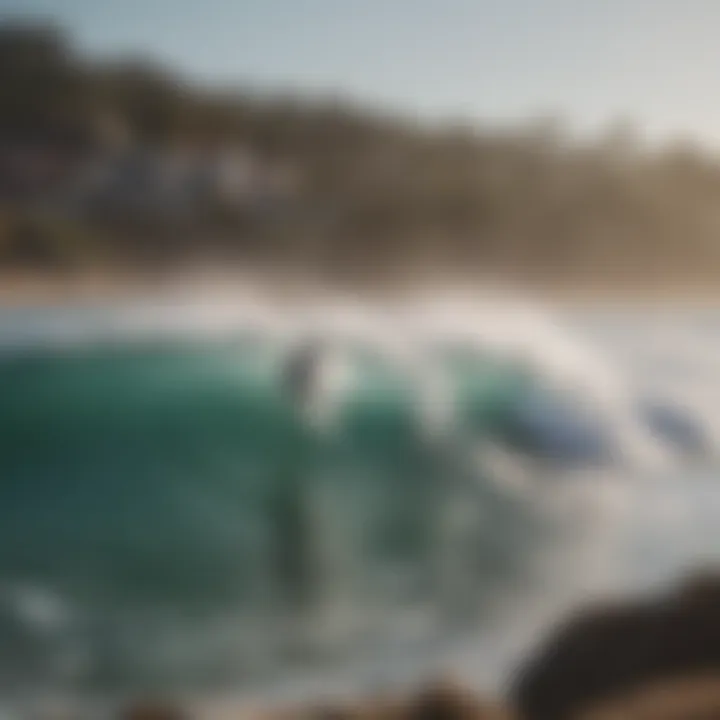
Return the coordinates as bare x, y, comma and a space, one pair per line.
218, 490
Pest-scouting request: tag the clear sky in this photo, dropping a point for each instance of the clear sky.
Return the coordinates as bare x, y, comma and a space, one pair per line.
656, 62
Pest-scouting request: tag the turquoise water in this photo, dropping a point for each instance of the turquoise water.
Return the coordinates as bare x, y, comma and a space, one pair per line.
177, 485
172, 515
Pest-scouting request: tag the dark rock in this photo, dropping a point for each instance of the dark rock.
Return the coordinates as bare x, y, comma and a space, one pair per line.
696, 698
611, 650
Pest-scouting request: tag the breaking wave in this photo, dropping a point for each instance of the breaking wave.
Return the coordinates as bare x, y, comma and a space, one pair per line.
227, 494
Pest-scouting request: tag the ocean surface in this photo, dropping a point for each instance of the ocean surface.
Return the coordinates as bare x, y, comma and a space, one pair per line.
239, 496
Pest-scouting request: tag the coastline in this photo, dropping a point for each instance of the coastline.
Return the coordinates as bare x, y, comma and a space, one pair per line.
35, 289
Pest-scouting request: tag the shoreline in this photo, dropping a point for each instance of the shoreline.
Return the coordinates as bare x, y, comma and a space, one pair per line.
33, 290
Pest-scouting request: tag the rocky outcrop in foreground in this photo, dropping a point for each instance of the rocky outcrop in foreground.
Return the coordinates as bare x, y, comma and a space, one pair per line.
614, 651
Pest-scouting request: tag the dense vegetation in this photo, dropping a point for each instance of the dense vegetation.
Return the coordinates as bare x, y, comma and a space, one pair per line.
376, 192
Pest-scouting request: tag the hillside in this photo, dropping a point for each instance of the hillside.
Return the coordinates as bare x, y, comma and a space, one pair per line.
124, 164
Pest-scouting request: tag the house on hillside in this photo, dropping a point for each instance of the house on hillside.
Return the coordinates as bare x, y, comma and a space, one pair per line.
98, 170
177, 183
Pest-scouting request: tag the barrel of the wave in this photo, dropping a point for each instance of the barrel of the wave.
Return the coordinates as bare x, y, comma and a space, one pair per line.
512, 405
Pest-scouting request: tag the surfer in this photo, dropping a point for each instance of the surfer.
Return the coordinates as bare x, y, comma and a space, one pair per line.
296, 540
300, 373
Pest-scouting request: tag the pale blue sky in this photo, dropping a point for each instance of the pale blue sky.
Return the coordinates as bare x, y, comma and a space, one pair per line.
654, 61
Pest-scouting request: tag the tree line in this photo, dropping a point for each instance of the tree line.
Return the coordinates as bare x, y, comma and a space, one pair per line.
378, 193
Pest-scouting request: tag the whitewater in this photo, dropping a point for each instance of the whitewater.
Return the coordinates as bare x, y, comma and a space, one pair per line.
450, 475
